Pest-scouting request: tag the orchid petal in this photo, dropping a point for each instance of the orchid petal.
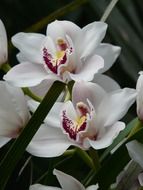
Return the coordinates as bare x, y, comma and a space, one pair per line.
3, 44
21, 58
109, 53
13, 110
27, 74
115, 105
42, 88
53, 117
139, 88
140, 178
135, 150
106, 138
90, 37
91, 91
68, 28
107, 83
43, 187
92, 187
29, 44
48, 142
70, 110
4, 140
67, 181
89, 67
55, 30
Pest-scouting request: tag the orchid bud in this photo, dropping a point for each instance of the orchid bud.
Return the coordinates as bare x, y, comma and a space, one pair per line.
3, 44
139, 88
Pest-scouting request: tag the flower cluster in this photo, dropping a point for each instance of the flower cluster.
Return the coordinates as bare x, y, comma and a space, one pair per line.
89, 117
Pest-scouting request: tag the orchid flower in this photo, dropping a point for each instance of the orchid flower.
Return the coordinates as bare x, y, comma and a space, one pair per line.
65, 53
139, 88
3, 44
90, 119
131, 177
67, 182
135, 150
14, 113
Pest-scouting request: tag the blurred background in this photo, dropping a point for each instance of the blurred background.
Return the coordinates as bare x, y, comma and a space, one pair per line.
125, 29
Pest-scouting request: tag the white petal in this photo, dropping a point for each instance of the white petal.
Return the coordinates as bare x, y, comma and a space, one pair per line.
29, 44
115, 105
42, 88
13, 110
140, 178
109, 53
43, 187
67, 182
55, 30
70, 28
135, 150
91, 91
3, 44
139, 88
107, 83
21, 57
92, 187
70, 110
87, 70
26, 74
48, 142
53, 117
107, 137
3, 141
90, 38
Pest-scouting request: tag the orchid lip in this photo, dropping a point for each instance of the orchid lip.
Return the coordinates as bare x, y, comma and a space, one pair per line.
59, 58
72, 128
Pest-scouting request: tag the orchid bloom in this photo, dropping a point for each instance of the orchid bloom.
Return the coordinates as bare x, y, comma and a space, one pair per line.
3, 44
67, 182
14, 113
139, 88
135, 150
90, 119
66, 53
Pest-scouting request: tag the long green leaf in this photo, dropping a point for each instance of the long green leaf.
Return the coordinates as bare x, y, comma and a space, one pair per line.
18, 147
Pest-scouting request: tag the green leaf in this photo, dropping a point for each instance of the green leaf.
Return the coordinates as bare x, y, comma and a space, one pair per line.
18, 147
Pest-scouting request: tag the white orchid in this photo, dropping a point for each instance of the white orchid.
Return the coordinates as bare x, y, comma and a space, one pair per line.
14, 112
139, 88
91, 119
3, 44
131, 177
66, 53
67, 182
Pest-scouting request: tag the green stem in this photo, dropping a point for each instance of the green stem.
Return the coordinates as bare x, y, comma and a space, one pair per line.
85, 157
138, 126
6, 67
94, 155
28, 92
14, 153
86, 180
67, 94
108, 10
69, 152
